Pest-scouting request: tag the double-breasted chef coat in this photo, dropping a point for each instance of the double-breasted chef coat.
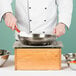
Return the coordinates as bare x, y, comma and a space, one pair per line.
39, 16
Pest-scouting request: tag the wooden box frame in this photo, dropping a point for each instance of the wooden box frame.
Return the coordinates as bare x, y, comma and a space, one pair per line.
37, 58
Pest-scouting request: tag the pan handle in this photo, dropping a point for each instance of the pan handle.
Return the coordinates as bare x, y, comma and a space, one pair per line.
17, 29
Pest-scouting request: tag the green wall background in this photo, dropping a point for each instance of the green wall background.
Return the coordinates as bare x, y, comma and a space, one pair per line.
69, 39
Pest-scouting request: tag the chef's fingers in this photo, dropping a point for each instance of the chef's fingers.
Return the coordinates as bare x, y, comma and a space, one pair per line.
12, 24
10, 20
57, 33
14, 21
7, 22
60, 32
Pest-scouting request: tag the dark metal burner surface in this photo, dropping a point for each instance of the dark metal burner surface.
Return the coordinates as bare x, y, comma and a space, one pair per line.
18, 44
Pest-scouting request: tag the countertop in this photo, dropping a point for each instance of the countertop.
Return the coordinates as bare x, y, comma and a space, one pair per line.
9, 67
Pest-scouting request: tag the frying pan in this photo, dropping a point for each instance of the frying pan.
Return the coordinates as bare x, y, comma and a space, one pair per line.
36, 39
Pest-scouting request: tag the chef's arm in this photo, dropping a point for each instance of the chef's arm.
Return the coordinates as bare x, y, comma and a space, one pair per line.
5, 6
65, 8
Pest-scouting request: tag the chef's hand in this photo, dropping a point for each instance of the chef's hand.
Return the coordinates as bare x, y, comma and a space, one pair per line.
10, 20
59, 30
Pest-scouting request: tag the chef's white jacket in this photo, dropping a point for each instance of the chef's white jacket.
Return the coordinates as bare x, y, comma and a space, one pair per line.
39, 16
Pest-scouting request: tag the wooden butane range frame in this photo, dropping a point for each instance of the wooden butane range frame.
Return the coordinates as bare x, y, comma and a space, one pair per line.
37, 58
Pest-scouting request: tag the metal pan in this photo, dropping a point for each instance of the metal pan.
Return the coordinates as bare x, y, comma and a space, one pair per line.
37, 40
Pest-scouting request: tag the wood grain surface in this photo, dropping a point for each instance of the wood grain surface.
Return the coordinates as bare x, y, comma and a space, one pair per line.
38, 59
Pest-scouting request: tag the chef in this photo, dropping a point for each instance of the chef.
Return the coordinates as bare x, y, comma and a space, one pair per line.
38, 16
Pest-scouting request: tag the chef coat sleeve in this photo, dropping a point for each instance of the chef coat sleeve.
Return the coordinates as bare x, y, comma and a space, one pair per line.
5, 6
65, 8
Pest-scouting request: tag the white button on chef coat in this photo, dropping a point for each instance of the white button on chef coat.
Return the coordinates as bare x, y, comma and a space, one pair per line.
39, 16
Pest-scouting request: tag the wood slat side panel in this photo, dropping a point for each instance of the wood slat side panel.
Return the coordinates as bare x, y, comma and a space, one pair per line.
37, 59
